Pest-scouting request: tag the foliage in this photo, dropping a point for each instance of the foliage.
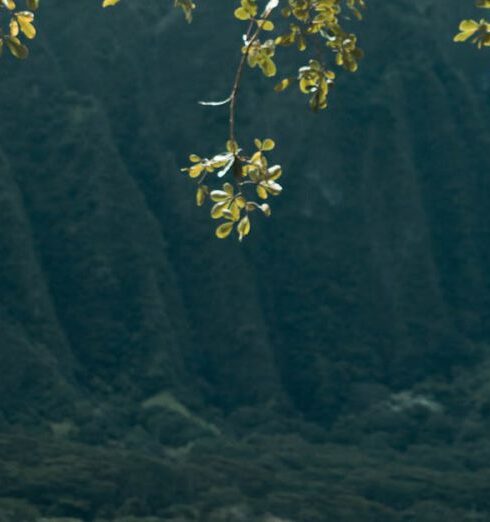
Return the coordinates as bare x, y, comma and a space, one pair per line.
311, 26
235, 207
20, 24
477, 31
352, 296
283, 475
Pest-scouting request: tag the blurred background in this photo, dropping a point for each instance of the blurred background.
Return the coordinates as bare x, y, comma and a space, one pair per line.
333, 367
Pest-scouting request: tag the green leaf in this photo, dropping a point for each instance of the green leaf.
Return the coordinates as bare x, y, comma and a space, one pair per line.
283, 84
268, 144
224, 230
17, 49
243, 228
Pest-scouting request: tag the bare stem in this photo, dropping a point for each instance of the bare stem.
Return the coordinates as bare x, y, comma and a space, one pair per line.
238, 77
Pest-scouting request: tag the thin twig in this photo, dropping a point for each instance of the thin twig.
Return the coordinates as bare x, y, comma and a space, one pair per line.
238, 77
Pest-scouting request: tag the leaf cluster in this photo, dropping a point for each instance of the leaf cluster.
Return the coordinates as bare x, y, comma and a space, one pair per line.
310, 26
314, 27
18, 24
251, 177
478, 32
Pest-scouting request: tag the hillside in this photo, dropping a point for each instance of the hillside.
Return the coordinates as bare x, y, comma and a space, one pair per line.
333, 366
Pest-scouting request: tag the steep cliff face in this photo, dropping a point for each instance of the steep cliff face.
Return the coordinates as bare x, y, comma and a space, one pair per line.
371, 277
375, 257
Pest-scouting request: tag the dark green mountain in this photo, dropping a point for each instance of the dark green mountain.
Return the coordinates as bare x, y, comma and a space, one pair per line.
333, 367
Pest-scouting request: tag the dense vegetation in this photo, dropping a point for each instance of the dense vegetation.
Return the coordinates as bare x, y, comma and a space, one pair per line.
312, 26
335, 367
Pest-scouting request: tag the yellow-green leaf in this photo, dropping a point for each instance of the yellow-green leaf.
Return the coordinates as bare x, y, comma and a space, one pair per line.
9, 4
243, 227
274, 172
261, 192
17, 49
219, 195
228, 188
283, 84
25, 21
217, 210
265, 25
33, 5
242, 14
224, 230
467, 28
268, 67
196, 170
268, 144
240, 201
235, 211
201, 195
13, 27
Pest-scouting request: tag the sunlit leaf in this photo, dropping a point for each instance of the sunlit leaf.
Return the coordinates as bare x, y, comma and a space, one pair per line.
32, 5
243, 227
224, 230
17, 49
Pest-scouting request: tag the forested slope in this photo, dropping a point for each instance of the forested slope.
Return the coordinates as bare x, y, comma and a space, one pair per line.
338, 357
